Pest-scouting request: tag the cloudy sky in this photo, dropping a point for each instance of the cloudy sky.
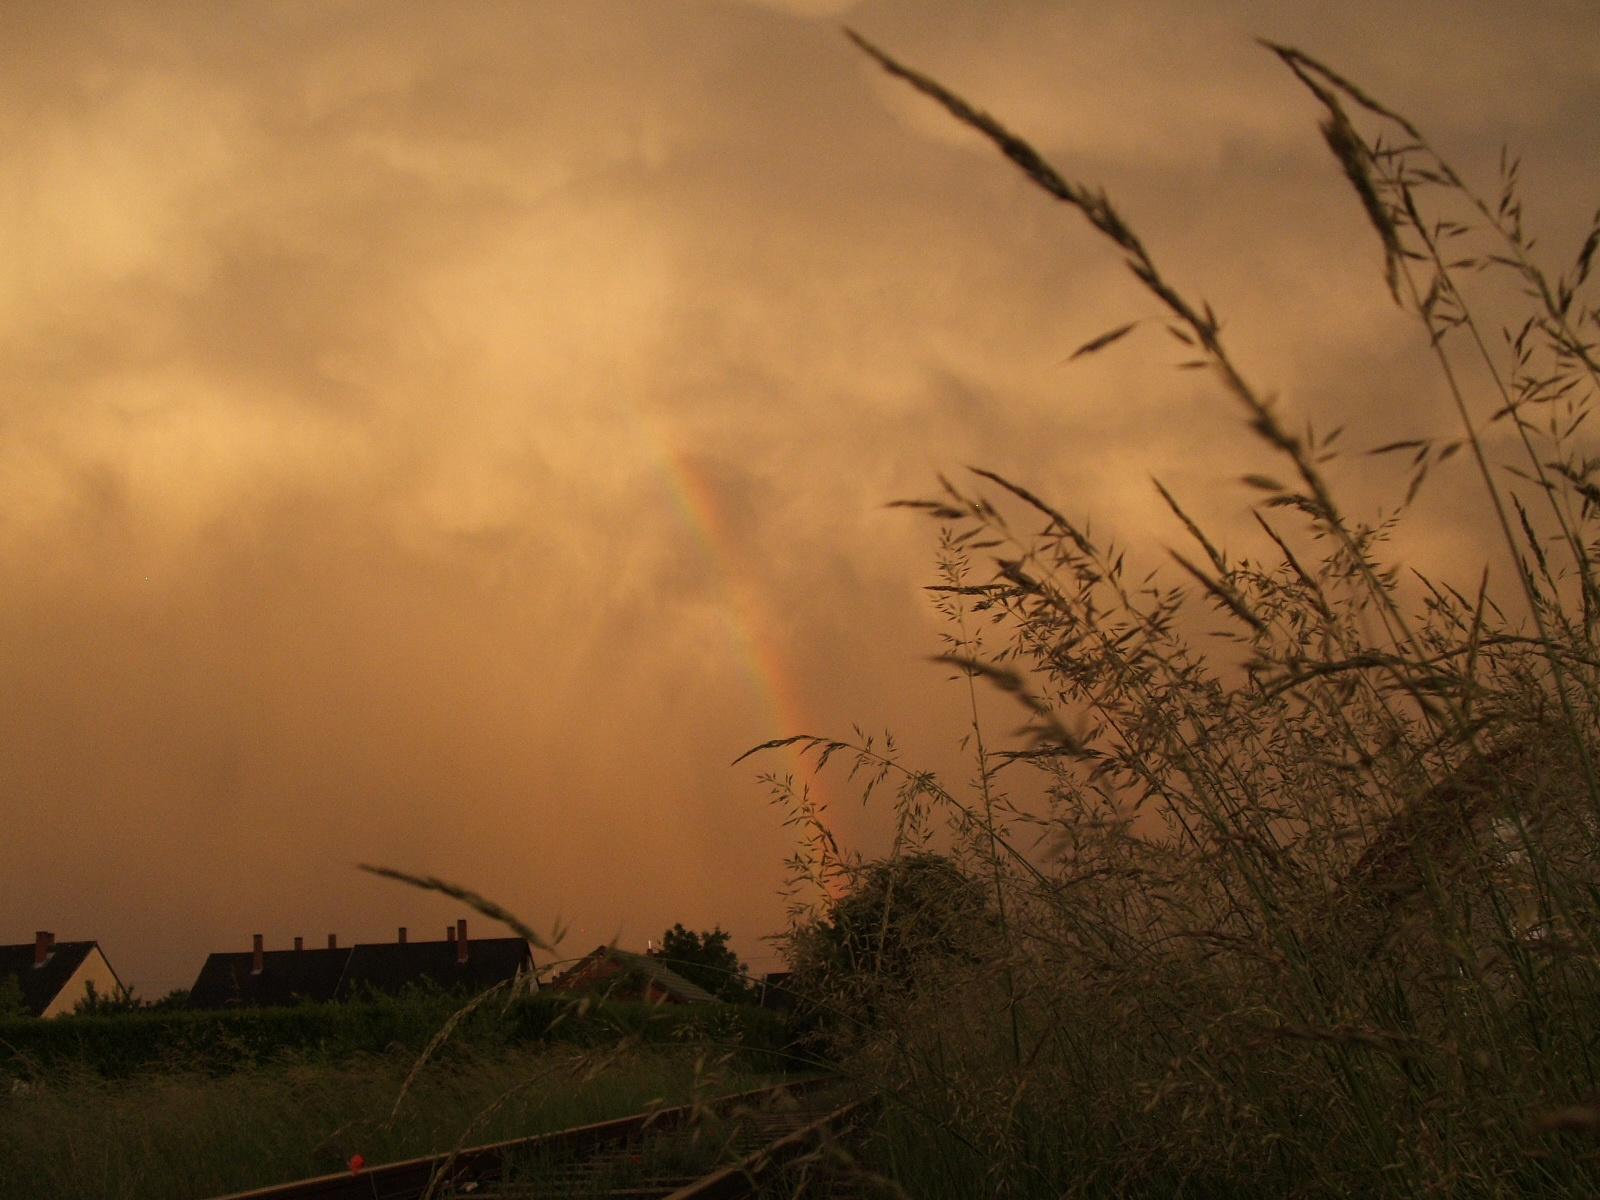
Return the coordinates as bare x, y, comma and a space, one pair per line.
447, 435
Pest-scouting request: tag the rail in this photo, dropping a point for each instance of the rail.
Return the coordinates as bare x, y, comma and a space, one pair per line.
478, 1171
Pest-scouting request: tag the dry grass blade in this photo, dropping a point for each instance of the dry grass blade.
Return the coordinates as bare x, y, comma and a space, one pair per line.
1101, 342
1226, 595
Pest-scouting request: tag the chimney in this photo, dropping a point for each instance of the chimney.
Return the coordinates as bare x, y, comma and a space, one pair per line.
258, 956
333, 941
43, 943
461, 940
450, 934
299, 943
402, 938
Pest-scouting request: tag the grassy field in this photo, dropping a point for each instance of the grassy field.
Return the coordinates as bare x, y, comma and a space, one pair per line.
171, 1134
1293, 886
193, 1104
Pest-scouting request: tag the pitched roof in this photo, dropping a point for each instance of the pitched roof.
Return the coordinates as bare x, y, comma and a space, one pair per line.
604, 962
287, 977
387, 968
40, 984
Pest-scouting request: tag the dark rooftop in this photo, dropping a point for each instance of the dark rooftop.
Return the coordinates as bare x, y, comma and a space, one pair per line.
596, 971
287, 977
389, 967
383, 968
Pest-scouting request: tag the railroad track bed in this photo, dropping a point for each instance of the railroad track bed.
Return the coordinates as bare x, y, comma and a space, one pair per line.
741, 1145
663, 1165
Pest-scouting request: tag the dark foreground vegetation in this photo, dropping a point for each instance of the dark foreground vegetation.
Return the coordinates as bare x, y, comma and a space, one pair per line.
176, 1134
193, 1104
1292, 887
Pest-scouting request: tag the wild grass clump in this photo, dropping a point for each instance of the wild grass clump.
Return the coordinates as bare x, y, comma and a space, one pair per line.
1312, 911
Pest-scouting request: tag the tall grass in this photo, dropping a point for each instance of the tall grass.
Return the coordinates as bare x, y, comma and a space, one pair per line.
1314, 915
172, 1134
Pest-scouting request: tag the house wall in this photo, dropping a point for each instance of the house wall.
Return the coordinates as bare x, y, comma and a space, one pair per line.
94, 968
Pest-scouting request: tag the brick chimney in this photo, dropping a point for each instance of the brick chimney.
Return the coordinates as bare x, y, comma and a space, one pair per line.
333, 941
450, 934
258, 956
402, 938
461, 940
43, 946
299, 943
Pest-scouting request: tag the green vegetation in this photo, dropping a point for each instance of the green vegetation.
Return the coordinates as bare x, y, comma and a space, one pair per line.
123, 1044
175, 1134
902, 924
705, 959
12, 1005
120, 1000
1293, 888
176, 1103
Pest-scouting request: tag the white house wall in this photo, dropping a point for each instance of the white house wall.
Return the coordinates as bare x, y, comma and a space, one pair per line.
93, 969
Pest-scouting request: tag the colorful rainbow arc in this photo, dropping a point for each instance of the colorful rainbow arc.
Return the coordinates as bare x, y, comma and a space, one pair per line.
764, 662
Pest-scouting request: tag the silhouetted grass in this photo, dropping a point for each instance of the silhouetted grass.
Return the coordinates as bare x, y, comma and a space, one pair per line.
1310, 910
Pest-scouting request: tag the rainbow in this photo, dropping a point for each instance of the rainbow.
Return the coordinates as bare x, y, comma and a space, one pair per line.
762, 656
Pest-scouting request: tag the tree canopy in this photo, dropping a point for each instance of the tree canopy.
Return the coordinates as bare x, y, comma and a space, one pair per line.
707, 960
905, 920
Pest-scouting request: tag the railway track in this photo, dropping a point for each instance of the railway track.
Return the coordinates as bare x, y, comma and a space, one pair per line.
720, 1150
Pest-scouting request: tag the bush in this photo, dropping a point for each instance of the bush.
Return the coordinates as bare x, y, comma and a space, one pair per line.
122, 1044
119, 1001
902, 928
705, 959
12, 1004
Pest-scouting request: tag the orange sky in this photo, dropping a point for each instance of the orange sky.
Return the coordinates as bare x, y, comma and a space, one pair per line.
447, 435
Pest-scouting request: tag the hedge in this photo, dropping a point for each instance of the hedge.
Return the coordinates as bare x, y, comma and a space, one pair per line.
230, 1039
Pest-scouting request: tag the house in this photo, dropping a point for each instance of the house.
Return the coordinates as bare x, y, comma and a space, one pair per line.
623, 975
271, 978
53, 976
388, 968
262, 978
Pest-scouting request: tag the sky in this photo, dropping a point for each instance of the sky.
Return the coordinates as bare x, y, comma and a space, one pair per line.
447, 436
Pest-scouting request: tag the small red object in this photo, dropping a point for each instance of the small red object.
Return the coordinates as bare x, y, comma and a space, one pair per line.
356, 1163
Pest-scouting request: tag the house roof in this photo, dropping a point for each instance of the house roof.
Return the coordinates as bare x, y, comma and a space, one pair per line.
582, 974
298, 976
40, 984
287, 977
389, 967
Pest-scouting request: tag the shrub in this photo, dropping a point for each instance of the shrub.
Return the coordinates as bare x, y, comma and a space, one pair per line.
115, 1003
121, 1044
706, 959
